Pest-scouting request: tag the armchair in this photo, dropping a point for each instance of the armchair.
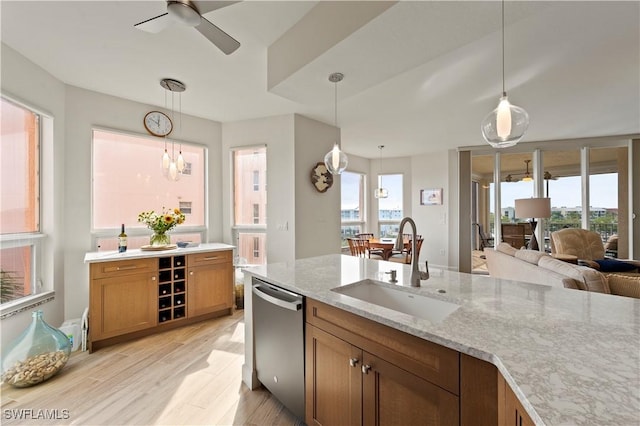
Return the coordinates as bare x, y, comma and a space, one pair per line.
587, 246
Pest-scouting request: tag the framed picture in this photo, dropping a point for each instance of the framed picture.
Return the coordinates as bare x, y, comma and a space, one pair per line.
431, 197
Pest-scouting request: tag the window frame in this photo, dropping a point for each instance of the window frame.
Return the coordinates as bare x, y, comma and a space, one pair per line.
185, 229
387, 222
362, 222
40, 292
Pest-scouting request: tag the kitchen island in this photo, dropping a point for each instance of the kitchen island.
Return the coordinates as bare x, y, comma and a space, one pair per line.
570, 357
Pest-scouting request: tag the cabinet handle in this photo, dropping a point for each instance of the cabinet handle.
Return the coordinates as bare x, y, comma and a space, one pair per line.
210, 258
191, 273
153, 278
365, 369
353, 361
125, 268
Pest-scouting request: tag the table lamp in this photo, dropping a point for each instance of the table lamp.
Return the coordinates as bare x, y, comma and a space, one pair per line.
533, 208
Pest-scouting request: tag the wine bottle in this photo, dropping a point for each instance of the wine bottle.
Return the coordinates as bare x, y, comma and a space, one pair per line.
122, 241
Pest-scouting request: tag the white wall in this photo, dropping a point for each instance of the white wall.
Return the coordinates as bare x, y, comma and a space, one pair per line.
431, 171
24, 81
277, 133
317, 214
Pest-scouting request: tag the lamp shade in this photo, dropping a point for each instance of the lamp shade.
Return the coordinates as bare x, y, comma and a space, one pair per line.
533, 207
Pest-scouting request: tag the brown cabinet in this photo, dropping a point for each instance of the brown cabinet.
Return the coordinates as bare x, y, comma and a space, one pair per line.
515, 415
122, 298
209, 283
137, 297
353, 373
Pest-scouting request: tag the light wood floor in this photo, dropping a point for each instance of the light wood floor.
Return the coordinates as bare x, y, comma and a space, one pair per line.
188, 376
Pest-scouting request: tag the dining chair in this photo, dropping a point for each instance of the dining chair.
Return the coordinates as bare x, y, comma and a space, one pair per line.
405, 255
353, 249
367, 236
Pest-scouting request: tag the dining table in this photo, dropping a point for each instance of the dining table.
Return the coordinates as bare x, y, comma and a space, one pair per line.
385, 245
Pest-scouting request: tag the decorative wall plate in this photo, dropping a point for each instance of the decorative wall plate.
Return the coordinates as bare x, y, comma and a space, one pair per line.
321, 178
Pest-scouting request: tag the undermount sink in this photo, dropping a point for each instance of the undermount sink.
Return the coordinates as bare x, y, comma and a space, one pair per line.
399, 300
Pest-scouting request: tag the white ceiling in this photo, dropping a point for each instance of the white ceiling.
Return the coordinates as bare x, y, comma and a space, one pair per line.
419, 77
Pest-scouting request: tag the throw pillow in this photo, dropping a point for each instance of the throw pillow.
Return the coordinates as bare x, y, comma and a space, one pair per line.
624, 285
506, 249
531, 256
614, 265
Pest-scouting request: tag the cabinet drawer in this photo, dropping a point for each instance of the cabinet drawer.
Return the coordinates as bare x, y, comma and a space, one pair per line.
123, 267
208, 258
432, 362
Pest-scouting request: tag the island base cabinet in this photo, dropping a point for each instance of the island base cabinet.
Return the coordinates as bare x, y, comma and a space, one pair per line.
347, 385
393, 396
332, 385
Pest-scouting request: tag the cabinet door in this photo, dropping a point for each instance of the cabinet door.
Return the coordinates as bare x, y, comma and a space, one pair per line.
393, 396
333, 380
122, 304
209, 288
515, 415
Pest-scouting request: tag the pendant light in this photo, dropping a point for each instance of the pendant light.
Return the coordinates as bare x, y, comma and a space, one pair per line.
380, 192
336, 160
506, 124
172, 166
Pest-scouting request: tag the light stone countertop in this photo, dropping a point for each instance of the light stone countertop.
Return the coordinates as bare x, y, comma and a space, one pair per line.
572, 357
109, 256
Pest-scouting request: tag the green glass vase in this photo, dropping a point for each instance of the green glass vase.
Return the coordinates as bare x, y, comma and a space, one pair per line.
36, 355
160, 239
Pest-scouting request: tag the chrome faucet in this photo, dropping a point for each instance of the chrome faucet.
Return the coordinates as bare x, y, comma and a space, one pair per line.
416, 274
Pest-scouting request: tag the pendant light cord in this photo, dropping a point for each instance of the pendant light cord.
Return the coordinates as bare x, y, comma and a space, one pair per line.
335, 111
504, 93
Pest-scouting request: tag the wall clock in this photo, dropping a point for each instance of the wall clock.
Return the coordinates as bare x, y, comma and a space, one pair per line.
158, 123
321, 178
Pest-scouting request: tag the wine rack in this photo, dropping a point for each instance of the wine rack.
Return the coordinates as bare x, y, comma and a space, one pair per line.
172, 296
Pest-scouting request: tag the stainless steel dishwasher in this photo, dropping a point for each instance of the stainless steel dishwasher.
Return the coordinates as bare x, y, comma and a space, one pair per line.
278, 330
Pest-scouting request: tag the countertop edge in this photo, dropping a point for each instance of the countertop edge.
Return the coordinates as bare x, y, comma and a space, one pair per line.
112, 256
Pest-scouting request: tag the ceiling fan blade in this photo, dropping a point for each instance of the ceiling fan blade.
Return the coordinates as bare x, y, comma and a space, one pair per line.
207, 6
156, 24
224, 41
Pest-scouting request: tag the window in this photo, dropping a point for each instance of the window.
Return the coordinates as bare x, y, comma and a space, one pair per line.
19, 201
256, 247
256, 180
185, 207
250, 204
352, 205
137, 184
390, 211
256, 214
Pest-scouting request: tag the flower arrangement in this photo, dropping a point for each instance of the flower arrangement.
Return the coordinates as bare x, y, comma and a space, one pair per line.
160, 223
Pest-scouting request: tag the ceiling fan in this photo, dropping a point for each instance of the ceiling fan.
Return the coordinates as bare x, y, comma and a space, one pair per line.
189, 12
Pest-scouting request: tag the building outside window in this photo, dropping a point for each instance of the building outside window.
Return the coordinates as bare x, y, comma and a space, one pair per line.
250, 204
120, 193
352, 214
20, 232
390, 210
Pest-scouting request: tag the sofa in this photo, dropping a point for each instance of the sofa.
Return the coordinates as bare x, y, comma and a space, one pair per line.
540, 268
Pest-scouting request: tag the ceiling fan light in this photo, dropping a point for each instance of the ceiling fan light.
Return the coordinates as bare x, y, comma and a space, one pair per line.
506, 125
184, 12
527, 179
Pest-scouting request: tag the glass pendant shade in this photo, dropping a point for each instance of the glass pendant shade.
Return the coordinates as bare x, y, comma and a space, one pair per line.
165, 161
380, 193
180, 162
505, 125
336, 160
174, 173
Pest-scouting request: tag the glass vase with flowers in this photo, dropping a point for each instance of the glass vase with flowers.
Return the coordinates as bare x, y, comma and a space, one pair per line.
161, 223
